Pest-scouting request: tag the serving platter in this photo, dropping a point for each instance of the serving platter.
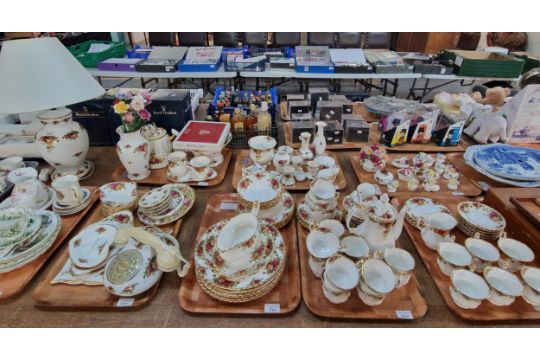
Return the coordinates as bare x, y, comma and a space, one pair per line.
84, 297
159, 176
243, 160
375, 135
510, 162
465, 188
13, 282
283, 299
519, 310
404, 303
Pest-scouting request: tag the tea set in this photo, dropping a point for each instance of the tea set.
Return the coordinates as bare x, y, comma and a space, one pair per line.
344, 263
276, 206
240, 259
28, 192
320, 203
71, 198
198, 168
118, 196
292, 165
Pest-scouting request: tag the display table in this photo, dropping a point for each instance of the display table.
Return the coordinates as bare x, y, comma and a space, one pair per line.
163, 310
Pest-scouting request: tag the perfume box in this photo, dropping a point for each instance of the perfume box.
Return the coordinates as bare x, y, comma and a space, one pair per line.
202, 136
333, 133
317, 94
298, 107
119, 64
299, 127
301, 116
396, 136
356, 129
330, 111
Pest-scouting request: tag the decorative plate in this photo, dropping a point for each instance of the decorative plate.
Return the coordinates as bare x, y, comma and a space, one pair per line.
260, 187
304, 218
481, 216
118, 193
207, 261
422, 207
154, 197
511, 162
91, 246
279, 215
172, 213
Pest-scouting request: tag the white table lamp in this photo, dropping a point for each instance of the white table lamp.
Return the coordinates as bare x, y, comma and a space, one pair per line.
41, 74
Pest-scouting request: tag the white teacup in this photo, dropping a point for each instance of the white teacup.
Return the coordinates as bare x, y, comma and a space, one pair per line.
11, 163
468, 289
68, 190
178, 166
531, 293
401, 262
334, 226
376, 281
342, 273
322, 244
516, 254
436, 228
28, 192
483, 252
504, 286
355, 247
199, 163
453, 256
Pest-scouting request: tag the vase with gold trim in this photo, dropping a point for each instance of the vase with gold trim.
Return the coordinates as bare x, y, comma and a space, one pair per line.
134, 152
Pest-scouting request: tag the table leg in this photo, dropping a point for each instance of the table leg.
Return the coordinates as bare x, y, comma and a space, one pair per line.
396, 85
425, 91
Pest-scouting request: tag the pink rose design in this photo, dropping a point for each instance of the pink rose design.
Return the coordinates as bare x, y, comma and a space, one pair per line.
128, 117
144, 114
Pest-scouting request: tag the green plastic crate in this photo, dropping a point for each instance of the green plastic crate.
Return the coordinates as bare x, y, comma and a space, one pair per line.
80, 51
484, 64
531, 61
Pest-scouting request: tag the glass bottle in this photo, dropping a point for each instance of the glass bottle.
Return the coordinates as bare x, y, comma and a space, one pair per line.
237, 121
251, 120
264, 119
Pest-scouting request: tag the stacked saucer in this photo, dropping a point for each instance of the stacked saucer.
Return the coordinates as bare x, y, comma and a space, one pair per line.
276, 206
65, 210
477, 218
320, 203
165, 204
25, 235
118, 196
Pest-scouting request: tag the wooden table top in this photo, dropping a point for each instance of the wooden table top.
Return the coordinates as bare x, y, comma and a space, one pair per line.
163, 310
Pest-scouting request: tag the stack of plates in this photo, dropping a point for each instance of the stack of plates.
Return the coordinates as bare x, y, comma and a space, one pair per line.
513, 165
36, 237
65, 210
166, 204
420, 208
477, 218
246, 285
118, 196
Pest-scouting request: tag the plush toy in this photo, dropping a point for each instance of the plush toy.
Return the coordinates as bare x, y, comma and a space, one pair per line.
494, 96
457, 107
488, 126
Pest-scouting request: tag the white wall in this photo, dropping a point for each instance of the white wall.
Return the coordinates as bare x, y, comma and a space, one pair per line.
534, 42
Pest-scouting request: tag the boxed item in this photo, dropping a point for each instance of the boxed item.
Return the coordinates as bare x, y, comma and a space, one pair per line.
202, 58
333, 133
313, 59
316, 95
483, 63
356, 129
522, 113
93, 115
350, 61
295, 97
397, 135
387, 62
425, 64
162, 59
282, 63
202, 136
301, 116
119, 64
170, 109
298, 127
447, 132
298, 107
330, 111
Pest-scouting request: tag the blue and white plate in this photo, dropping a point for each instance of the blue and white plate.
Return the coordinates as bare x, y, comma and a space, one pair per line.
469, 159
510, 162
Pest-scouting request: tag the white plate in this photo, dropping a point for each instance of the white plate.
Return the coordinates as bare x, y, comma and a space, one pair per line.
91, 246
176, 209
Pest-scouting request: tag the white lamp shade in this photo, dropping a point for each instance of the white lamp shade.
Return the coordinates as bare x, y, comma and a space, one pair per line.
39, 74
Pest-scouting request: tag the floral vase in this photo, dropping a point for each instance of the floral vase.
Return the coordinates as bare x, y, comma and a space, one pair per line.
134, 153
62, 142
319, 141
304, 151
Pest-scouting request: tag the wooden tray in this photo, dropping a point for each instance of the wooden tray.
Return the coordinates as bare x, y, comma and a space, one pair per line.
287, 135
465, 188
519, 310
243, 157
478, 179
528, 207
400, 301
375, 135
283, 299
13, 282
159, 176
83, 297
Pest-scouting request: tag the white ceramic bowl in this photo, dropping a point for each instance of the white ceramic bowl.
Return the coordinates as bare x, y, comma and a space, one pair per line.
482, 249
342, 272
441, 221
503, 281
515, 250
323, 190
334, 226
355, 246
322, 245
378, 276
531, 276
455, 254
398, 259
472, 285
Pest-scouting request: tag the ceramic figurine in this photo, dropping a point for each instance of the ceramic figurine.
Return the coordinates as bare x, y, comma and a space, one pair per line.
453, 184
431, 185
392, 186
412, 184
319, 142
63, 143
373, 158
304, 151
288, 176
489, 126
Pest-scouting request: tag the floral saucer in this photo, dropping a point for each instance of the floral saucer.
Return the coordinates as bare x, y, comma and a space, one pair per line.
481, 216
384, 177
192, 175
401, 163
279, 215
84, 173
421, 207
183, 198
305, 219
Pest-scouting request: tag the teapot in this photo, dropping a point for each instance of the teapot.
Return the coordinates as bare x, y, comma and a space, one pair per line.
381, 223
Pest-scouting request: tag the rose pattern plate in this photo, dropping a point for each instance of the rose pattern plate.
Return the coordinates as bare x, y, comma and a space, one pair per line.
481, 216
175, 210
279, 215
420, 208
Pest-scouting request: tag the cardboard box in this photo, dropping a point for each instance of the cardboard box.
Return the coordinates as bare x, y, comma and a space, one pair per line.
330, 111
356, 129
298, 107
397, 135
316, 95
203, 136
522, 113
447, 132
299, 127
333, 133
93, 115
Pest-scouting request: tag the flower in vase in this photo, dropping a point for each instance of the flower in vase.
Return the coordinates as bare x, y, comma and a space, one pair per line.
121, 107
128, 117
137, 103
145, 114
146, 96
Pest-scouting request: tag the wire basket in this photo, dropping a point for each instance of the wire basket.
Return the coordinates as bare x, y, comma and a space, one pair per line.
240, 138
